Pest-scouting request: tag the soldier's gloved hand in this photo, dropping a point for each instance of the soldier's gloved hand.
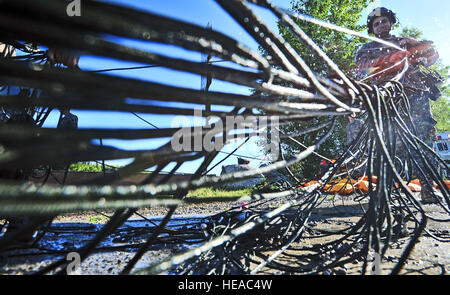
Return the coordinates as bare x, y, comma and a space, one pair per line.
408, 42
63, 57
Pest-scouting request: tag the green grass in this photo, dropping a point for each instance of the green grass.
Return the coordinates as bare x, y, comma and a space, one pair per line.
214, 192
210, 192
204, 192
97, 219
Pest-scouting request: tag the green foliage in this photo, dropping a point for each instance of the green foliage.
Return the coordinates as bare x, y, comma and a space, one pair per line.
441, 107
85, 167
441, 113
341, 48
413, 33
333, 146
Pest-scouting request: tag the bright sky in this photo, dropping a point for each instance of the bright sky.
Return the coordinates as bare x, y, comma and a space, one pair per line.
428, 16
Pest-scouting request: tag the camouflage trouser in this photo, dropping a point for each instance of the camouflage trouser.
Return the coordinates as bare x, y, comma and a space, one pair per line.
422, 117
424, 129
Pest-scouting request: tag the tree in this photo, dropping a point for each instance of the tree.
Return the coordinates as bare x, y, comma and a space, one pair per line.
341, 48
441, 107
413, 33
441, 113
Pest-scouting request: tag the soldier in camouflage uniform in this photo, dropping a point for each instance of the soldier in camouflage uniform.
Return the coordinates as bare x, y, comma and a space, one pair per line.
380, 23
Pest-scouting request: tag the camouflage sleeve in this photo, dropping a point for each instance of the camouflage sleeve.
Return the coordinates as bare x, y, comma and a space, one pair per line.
363, 54
362, 61
432, 57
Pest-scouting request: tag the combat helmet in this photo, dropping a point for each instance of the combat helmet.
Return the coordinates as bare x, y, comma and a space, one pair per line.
380, 11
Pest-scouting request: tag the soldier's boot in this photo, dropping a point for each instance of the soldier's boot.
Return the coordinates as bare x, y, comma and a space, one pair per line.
400, 229
429, 196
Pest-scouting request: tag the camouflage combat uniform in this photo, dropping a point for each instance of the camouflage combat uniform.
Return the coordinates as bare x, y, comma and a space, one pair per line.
414, 83
416, 89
